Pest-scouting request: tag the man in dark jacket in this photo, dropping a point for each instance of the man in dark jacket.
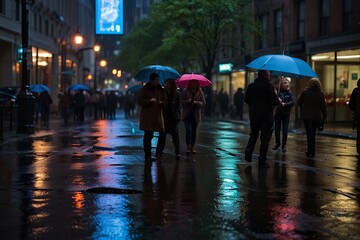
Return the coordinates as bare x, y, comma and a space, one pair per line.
354, 105
261, 98
152, 99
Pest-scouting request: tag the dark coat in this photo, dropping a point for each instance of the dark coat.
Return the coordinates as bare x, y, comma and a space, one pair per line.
151, 115
312, 105
261, 97
172, 114
354, 103
288, 98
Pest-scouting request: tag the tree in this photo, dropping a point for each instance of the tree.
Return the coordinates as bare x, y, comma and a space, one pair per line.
188, 34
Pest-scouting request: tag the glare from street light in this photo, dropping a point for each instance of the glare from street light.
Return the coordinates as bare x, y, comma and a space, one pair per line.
97, 48
78, 39
103, 63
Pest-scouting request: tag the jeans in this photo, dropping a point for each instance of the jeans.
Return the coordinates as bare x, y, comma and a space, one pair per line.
284, 122
190, 131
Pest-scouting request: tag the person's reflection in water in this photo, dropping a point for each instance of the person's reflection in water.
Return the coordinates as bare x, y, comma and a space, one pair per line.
258, 212
154, 199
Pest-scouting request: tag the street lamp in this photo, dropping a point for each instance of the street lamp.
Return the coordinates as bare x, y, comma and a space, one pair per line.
97, 49
103, 64
79, 40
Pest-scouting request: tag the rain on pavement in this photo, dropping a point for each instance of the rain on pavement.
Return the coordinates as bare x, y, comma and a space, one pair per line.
90, 182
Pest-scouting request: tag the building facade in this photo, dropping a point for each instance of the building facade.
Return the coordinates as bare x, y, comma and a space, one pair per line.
324, 33
54, 58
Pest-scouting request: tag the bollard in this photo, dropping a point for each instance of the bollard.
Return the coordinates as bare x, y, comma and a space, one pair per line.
11, 114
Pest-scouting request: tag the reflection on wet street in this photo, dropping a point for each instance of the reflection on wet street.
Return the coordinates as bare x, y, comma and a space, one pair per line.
91, 182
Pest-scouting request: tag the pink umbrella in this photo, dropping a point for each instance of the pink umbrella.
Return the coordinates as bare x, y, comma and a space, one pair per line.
184, 80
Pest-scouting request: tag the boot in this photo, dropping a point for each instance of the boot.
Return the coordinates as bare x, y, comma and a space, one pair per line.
188, 149
193, 149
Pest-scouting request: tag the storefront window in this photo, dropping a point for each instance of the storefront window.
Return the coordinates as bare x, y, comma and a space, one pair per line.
41, 62
338, 79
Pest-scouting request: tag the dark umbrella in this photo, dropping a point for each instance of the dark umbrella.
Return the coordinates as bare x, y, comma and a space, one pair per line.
79, 87
164, 72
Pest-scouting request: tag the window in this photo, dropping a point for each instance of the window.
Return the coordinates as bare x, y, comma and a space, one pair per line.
277, 27
2, 6
40, 24
263, 23
325, 17
17, 10
301, 19
46, 27
346, 14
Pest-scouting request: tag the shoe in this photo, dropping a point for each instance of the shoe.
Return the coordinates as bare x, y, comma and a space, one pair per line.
263, 164
283, 149
276, 146
188, 149
158, 157
193, 150
177, 156
247, 157
310, 155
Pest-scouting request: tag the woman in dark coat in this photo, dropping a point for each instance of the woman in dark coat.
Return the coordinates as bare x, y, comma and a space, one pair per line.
282, 113
172, 117
312, 110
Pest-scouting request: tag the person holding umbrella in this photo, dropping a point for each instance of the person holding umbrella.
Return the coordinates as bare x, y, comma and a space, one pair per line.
172, 117
152, 99
312, 111
282, 113
261, 98
192, 100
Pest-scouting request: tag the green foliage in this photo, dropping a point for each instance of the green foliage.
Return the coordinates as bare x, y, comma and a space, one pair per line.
186, 34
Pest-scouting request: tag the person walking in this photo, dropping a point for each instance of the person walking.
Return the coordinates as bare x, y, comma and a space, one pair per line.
239, 102
312, 111
79, 103
192, 100
261, 97
152, 100
172, 117
45, 101
354, 105
282, 113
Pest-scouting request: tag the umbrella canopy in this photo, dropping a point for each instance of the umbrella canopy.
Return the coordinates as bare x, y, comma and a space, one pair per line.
39, 88
164, 72
184, 80
135, 88
79, 87
283, 65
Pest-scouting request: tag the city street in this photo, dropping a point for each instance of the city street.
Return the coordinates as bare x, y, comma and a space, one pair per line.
90, 181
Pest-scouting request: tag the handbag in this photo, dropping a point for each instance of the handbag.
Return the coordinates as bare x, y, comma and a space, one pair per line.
320, 126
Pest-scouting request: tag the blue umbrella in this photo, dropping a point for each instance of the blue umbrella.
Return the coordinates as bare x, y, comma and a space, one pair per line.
164, 72
135, 88
39, 88
283, 65
79, 87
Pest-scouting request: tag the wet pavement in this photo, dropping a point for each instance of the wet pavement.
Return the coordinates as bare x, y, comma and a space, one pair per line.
90, 181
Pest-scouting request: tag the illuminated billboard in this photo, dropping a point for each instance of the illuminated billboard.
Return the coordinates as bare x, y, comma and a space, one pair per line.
109, 16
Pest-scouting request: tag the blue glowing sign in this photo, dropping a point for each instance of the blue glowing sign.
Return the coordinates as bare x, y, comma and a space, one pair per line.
109, 16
